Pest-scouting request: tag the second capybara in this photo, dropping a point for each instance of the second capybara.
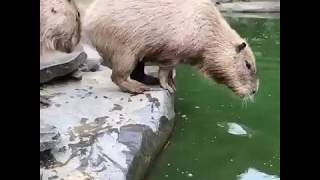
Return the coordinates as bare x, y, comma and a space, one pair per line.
60, 26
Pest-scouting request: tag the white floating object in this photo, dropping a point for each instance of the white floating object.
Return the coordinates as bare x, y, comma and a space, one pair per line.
253, 174
236, 129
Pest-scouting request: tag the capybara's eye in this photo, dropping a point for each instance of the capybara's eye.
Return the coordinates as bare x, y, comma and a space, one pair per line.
248, 65
78, 14
53, 11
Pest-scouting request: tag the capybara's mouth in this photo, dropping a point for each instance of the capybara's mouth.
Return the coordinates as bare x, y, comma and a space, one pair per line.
243, 94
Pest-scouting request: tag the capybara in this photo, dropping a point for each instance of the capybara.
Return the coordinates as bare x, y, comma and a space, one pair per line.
168, 33
60, 26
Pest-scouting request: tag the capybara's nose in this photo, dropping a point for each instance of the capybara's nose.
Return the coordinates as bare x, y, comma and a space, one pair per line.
253, 92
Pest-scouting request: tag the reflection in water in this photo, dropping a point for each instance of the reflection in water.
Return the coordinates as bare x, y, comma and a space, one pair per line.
253, 174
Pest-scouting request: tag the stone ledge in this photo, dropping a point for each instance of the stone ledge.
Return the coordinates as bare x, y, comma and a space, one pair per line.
104, 133
251, 7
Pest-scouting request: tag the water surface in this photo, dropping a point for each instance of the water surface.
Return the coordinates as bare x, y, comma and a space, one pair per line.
216, 137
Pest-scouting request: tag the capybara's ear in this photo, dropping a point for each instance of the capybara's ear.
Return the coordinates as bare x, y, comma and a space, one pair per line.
240, 47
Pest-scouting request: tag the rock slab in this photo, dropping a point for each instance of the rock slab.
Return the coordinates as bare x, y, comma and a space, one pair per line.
104, 133
49, 136
60, 64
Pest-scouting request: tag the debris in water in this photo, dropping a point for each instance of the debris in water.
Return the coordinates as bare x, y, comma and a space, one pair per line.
197, 107
183, 116
236, 129
180, 99
190, 175
220, 125
166, 175
253, 174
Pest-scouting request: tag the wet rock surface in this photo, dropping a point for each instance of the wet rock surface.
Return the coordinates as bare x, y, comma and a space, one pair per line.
103, 133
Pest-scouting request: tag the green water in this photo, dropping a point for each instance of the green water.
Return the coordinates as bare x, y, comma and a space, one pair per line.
201, 147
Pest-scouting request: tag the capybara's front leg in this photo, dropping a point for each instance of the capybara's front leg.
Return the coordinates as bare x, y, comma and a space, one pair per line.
171, 80
121, 70
166, 81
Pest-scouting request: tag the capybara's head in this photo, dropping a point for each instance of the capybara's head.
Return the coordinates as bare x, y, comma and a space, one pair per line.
60, 25
233, 65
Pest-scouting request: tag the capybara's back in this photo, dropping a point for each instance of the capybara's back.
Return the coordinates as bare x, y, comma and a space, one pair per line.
169, 32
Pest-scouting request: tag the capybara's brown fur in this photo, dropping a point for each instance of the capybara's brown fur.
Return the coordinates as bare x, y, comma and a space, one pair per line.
170, 32
60, 26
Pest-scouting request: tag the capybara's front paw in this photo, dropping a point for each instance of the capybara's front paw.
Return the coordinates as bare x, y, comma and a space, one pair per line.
138, 89
166, 79
134, 87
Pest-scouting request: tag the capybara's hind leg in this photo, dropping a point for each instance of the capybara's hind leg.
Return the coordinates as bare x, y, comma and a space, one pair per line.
121, 70
164, 77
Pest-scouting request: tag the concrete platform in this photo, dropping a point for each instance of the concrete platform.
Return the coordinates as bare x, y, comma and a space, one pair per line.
103, 133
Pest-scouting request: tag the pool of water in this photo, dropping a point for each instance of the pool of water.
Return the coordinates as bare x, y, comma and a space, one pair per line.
216, 137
